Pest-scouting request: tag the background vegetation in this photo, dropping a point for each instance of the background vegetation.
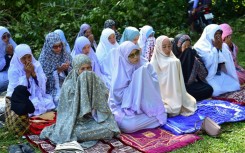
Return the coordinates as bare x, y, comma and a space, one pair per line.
29, 21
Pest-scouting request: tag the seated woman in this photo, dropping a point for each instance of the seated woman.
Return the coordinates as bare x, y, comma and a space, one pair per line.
112, 24
56, 64
135, 98
130, 34
83, 113
229, 45
7, 46
86, 31
105, 51
107, 42
218, 60
193, 69
168, 68
63, 39
26, 71
147, 41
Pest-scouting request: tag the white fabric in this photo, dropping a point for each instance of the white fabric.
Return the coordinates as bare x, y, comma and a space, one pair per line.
2, 104
105, 46
173, 91
17, 76
228, 80
107, 66
135, 90
131, 124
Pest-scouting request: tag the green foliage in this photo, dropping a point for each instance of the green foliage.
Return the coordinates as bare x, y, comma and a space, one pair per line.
29, 21
228, 9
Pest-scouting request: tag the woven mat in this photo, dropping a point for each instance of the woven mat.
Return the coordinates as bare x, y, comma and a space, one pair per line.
237, 97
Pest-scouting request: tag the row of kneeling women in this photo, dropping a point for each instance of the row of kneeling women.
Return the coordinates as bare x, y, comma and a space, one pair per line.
94, 93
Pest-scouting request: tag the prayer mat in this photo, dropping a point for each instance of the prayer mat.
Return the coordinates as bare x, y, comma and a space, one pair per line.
120, 147
47, 147
218, 110
236, 97
157, 140
38, 123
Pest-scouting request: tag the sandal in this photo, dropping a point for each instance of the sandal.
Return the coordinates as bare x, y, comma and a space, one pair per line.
26, 148
15, 149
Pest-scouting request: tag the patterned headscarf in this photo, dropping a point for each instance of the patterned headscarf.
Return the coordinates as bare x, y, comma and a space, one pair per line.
145, 32
63, 39
48, 59
109, 24
178, 41
77, 62
129, 34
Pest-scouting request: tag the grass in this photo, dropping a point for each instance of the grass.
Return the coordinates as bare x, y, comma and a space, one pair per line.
229, 142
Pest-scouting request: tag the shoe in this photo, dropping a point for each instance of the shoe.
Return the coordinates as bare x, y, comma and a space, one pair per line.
26, 148
15, 149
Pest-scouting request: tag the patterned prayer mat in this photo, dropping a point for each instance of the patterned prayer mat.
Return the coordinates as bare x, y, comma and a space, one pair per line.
218, 110
120, 147
237, 97
157, 140
105, 146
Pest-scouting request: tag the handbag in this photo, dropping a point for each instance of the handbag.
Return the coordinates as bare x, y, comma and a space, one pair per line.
210, 127
16, 124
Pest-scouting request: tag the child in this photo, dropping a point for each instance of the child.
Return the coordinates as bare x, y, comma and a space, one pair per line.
229, 45
147, 41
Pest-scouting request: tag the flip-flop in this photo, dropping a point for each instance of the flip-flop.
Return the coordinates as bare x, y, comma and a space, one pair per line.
15, 149
26, 148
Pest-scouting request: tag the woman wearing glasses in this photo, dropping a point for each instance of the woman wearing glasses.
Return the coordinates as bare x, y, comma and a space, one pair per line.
56, 64
135, 98
7, 46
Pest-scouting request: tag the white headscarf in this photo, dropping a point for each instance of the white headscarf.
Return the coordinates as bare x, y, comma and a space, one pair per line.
171, 81
212, 57
204, 44
16, 66
104, 45
20, 51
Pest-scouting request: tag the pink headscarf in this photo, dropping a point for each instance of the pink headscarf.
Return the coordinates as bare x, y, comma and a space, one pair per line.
226, 30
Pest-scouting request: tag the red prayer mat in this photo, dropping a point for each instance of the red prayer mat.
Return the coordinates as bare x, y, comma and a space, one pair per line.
47, 147
120, 147
38, 123
157, 140
237, 97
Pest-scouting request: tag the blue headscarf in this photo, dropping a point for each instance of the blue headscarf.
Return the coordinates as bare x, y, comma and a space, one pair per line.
129, 34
